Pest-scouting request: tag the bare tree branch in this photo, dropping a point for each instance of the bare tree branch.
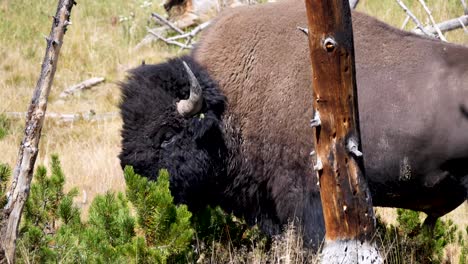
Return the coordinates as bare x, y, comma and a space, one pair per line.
28, 150
193, 33
173, 42
463, 25
439, 33
448, 25
82, 86
187, 36
452, 24
465, 7
167, 23
405, 22
413, 17
353, 3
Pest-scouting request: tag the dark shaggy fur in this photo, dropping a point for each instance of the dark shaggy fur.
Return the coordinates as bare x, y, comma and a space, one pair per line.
203, 153
155, 136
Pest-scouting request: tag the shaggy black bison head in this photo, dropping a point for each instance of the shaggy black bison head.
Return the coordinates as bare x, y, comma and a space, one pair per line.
172, 119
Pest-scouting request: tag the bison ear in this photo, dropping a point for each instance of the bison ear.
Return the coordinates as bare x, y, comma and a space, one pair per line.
194, 103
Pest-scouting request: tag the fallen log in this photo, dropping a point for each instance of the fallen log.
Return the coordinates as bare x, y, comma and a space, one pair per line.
82, 86
449, 25
72, 117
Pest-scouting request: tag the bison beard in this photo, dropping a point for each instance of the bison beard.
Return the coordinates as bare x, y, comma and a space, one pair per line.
203, 152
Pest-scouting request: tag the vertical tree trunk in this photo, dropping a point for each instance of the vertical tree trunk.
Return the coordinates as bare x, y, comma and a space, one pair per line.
347, 204
28, 150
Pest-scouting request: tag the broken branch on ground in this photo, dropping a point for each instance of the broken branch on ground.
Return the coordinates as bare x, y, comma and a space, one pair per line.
82, 86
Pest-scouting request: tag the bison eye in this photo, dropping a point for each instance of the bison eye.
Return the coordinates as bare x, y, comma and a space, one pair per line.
167, 139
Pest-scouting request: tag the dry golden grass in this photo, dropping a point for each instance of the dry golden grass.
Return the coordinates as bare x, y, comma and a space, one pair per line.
96, 44
390, 12
100, 43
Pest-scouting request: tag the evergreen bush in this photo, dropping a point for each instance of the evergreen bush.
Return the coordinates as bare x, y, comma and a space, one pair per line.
5, 174
52, 229
166, 227
4, 126
411, 242
157, 231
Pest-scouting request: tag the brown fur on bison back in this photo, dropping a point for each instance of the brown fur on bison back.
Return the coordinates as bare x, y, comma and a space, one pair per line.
261, 62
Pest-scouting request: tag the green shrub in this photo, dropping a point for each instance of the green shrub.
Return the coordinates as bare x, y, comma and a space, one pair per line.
4, 126
411, 242
463, 245
166, 227
46, 208
52, 230
5, 174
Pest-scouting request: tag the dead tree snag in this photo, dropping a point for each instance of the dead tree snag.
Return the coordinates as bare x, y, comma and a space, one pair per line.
28, 150
346, 200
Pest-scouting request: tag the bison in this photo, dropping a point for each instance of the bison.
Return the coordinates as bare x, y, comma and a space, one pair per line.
243, 141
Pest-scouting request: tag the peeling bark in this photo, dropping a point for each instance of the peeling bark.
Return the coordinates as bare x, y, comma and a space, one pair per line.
28, 150
346, 200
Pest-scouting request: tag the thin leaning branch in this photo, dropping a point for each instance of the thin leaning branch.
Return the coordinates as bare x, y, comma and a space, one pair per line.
167, 23
439, 33
413, 17
463, 25
82, 86
193, 33
28, 150
353, 3
187, 36
405, 22
172, 42
465, 6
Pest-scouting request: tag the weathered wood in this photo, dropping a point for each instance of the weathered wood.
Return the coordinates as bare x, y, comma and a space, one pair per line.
465, 7
68, 118
353, 3
448, 25
82, 86
171, 42
192, 33
187, 36
346, 200
405, 22
166, 22
28, 150
431, 18
414, 18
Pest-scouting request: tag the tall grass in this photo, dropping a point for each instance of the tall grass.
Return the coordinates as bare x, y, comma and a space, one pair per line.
99, 42
390, 12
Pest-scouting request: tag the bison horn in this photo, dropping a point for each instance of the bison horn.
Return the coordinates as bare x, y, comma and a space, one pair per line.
193, 104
